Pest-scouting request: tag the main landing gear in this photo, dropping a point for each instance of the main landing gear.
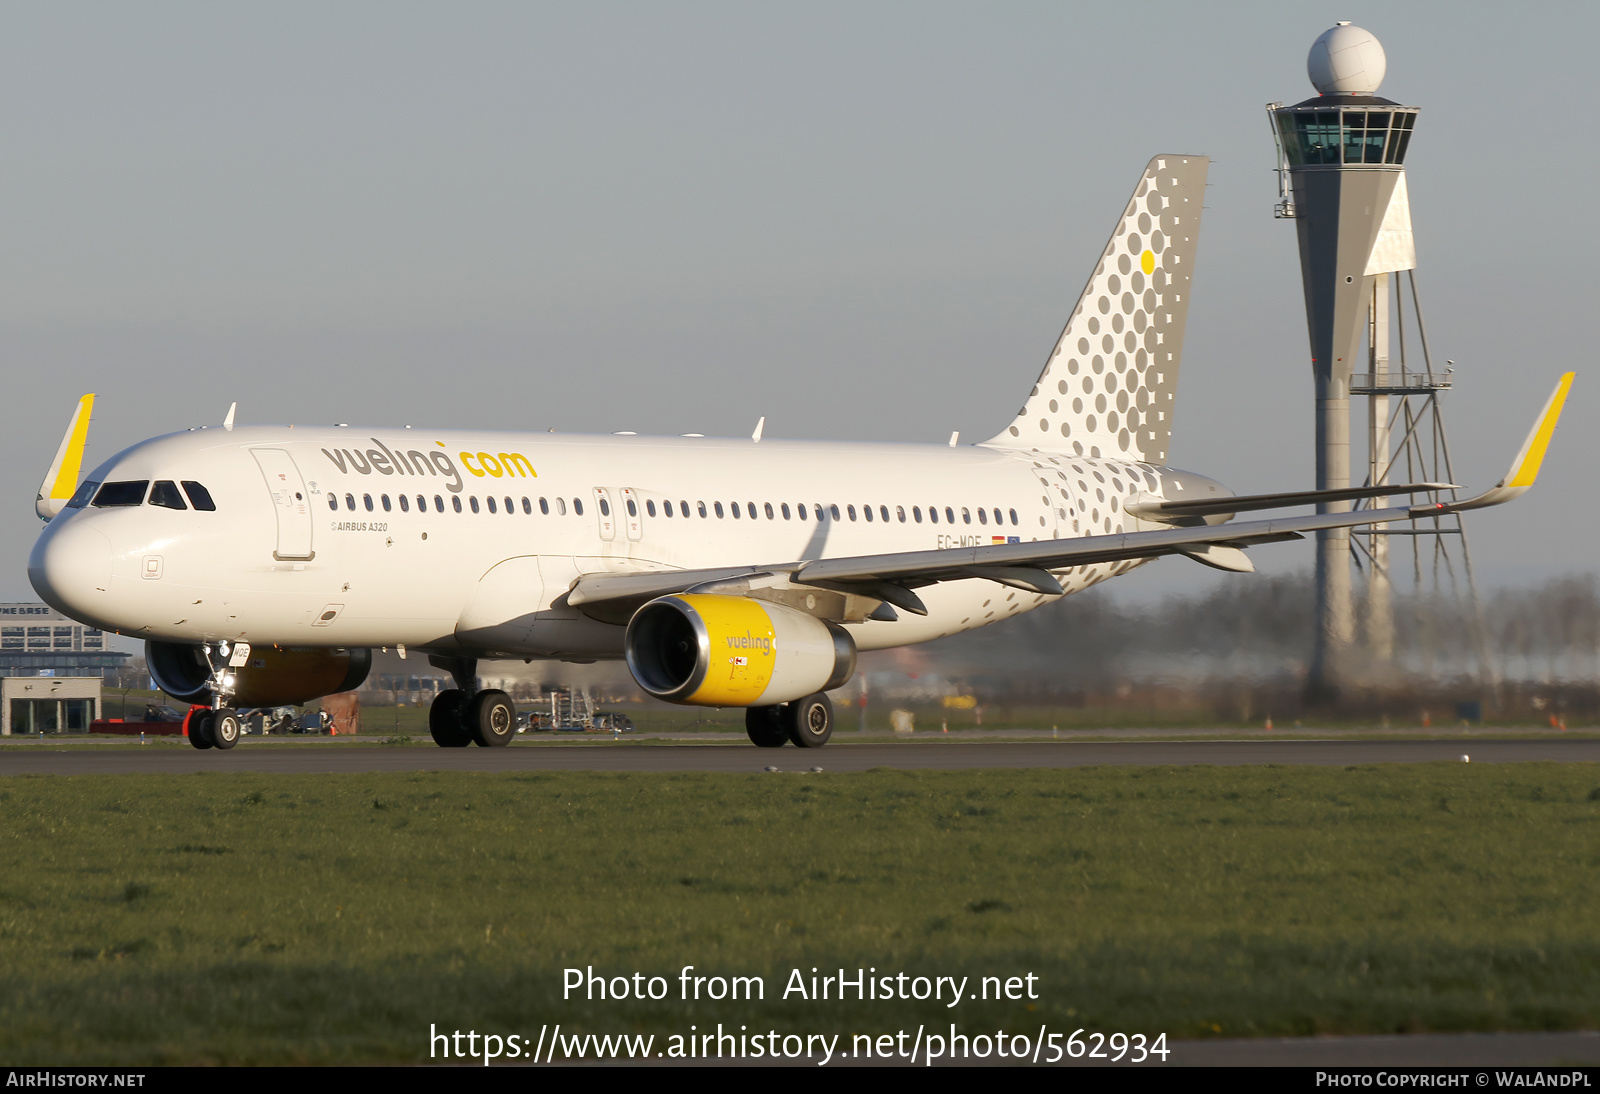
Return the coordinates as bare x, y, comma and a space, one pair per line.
463, 715
807, 722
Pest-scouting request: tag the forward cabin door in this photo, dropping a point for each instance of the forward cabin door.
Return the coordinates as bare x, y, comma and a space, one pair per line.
289, 503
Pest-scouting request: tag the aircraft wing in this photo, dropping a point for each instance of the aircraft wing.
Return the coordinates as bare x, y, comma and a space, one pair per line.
892, 578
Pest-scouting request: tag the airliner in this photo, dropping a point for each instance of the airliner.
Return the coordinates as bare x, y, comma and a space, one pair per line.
261, 565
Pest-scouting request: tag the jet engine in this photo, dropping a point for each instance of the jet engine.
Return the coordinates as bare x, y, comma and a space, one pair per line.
704, 649
272, 676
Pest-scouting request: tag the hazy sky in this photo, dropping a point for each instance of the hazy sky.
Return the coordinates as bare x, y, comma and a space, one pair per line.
862, 220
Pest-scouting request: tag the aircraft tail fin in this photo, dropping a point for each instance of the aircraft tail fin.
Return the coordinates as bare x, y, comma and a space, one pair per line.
1109, 386
62, 479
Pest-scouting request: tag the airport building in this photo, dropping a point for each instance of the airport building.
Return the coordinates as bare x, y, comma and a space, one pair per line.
37, 640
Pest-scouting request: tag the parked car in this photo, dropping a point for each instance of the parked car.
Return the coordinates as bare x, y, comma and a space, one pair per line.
613, 721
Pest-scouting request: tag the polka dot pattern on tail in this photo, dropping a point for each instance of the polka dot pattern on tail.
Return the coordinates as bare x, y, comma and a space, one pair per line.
1140, 291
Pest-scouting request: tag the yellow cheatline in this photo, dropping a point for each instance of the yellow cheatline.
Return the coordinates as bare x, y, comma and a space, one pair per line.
1147, 263
1526, 469
71, 455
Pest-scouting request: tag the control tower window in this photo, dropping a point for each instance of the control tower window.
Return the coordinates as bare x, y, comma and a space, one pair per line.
1314, 139
1364, 135
165, 494
121, 493
199, 497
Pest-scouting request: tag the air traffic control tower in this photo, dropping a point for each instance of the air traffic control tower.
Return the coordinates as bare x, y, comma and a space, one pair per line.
1343, 184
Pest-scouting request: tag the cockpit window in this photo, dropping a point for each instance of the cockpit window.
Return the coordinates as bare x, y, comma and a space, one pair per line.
199, 497
121, 493
165, 494
81, 496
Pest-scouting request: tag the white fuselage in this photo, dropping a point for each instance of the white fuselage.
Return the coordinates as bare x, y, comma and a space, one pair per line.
335, 558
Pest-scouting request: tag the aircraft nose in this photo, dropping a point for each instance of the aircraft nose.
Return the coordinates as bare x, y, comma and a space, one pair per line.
70, 568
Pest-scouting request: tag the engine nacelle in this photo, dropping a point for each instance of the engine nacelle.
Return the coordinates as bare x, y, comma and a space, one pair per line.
707, 650
272, 677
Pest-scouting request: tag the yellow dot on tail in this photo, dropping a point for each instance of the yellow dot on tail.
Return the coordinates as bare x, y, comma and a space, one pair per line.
1147, 262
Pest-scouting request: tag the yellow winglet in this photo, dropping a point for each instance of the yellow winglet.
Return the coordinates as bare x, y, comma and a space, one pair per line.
1525, 468
62, 479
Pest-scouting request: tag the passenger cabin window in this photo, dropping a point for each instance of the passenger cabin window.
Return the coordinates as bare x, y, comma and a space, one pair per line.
633, 508
605, 508
199, 497
916, 511
851, 510
833, 511
577, 506
933, 514
385, 500
121, 493
800, 511
438, 503
966, 515
983, 516
510, 508
1014, 519
717, 505
473, 501
165, 494
561, 507
650, 508
949, 515
701, 506
784, 509
997, 518
366, 500
883, 511
455, 502
527, 507
900, 511
544, 507
866, 511
770, 514
490, 502
350, 502
405, 504
333, 501
80, 497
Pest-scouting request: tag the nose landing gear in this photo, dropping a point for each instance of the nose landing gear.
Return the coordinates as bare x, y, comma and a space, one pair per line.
218, 726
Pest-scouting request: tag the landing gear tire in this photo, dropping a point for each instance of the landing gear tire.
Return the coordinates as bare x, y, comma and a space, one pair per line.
492, 718
197, 724
446, 719
765, 727
225, 727
809, 721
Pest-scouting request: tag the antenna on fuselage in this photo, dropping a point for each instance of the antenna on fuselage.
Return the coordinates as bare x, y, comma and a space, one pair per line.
227, 423
760, 425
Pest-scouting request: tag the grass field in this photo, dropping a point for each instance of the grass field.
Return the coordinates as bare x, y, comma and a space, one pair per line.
332, 918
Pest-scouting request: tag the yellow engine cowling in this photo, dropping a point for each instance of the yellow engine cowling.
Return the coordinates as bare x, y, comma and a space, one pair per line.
702, 649
271, 677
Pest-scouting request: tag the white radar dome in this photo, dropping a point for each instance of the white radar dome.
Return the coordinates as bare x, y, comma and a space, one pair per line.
1346, 60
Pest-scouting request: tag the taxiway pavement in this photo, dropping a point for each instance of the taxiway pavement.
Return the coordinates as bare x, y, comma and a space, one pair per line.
838, 756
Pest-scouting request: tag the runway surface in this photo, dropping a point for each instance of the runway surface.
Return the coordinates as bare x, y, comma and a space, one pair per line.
836, 757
